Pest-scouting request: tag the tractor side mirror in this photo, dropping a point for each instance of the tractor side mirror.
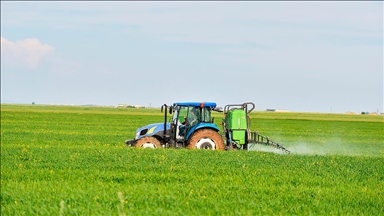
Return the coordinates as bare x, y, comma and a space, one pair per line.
170, 110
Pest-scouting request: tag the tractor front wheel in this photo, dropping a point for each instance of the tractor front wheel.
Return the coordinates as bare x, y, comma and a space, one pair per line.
206, 139
148, 142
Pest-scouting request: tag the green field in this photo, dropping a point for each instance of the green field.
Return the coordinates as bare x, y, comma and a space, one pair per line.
72, 160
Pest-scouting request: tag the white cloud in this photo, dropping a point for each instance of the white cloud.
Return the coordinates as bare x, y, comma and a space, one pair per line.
26, 53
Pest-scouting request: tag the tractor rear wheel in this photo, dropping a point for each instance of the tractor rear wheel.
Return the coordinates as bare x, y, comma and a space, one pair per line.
206, 139
148, 142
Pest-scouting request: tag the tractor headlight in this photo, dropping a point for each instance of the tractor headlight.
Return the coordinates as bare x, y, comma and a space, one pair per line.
141, 132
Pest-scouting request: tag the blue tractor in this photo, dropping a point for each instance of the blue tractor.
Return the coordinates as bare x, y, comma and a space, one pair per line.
191, 126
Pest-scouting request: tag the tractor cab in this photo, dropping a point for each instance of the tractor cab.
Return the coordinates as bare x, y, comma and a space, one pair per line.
189, 117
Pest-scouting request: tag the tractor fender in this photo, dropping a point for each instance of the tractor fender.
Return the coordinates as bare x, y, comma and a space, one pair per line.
200, 126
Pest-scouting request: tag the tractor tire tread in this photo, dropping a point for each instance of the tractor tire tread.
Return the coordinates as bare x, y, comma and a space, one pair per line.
206, 133
139, 143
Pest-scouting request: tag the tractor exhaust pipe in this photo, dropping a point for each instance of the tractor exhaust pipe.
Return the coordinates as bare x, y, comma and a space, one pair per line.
165, 136
165, 120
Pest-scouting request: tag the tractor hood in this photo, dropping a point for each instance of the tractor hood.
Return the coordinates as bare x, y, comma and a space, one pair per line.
151, 129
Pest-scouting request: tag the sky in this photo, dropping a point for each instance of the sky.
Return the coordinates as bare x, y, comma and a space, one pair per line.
314, 56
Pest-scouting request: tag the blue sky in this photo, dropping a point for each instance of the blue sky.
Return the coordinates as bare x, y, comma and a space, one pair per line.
299, 56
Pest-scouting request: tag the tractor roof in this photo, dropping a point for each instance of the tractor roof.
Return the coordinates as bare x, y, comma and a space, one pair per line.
197, 104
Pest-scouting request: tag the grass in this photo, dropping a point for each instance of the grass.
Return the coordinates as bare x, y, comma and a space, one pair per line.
73, 161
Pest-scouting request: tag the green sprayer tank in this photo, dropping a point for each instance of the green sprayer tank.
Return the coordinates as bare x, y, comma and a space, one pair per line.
236, 122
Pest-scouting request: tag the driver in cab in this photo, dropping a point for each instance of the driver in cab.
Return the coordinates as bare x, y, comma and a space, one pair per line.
190, 121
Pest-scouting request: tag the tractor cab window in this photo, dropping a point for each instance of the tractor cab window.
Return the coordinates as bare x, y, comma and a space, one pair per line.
193, 116
189, 117
206, 117
179, 114
183, 114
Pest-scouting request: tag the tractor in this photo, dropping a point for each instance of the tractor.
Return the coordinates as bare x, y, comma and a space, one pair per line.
192, 126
